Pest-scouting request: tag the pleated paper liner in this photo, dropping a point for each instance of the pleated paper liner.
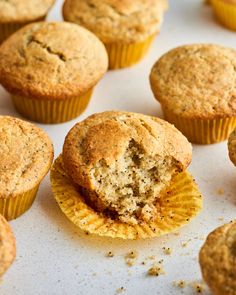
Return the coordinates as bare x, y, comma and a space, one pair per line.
7, 29
202, 131
51, 111
182, 202
125, 55
225, 13
13, 207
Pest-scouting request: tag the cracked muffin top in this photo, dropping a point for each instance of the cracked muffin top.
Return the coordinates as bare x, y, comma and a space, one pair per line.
197, 81
124, 160
232, 146
218, 260
23, 10
55, 60
7, 246
117, 20
26, 154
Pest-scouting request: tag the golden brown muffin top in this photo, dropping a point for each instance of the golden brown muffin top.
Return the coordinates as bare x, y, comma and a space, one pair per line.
55, 60
197, 81
232, 146
23, 10
7, 246
117, 20
217, 259
26, 154
104, 138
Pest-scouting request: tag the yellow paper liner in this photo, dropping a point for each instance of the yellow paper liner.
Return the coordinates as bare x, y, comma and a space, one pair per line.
7, 29
13, 207
51, 111
225, 13
202, 131
125, 55
181, 202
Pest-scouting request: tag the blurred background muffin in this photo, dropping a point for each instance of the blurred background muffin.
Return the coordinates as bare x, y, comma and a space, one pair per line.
14, 14
126, 27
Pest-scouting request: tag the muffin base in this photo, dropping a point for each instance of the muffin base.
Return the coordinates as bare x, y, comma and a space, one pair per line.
51, 111
13, 207
202, 131
7, 29
125, 55
225, 13
180, 203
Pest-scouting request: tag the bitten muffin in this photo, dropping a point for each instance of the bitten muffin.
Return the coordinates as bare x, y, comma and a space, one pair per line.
26, 154
7, 246
232, 146
50, 69
225, 12
15, 14
127, 27
122, 161
195, 85
218, 260
123, 175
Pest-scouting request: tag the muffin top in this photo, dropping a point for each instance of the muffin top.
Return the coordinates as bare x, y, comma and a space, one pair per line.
23, 10
217, 259
117, 20
26, 154
104, 137
232, 146
52, 61
7, 246
123, 161
196, 81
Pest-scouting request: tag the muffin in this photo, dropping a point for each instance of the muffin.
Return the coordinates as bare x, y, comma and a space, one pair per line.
232, 146
225, 12
127, 27
15, 14
217, 260
50, 70
26, 154
7, 246
115, 166
195, 85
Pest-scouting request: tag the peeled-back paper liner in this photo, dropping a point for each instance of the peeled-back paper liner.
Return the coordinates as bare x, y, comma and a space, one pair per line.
181, 202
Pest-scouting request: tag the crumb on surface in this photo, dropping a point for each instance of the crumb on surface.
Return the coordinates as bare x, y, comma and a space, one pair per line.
156, 270
120, 290
167, 250
221, 218
110, 254
131, 257
199, 288
180, 284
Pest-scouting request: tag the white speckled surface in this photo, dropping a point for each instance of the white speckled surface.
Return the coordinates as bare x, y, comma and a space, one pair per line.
54, 257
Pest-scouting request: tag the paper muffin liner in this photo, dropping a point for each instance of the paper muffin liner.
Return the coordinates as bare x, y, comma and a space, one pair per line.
125, 55
13, 207
180, 203
7, 29
51, 111
202, 131
225, 13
